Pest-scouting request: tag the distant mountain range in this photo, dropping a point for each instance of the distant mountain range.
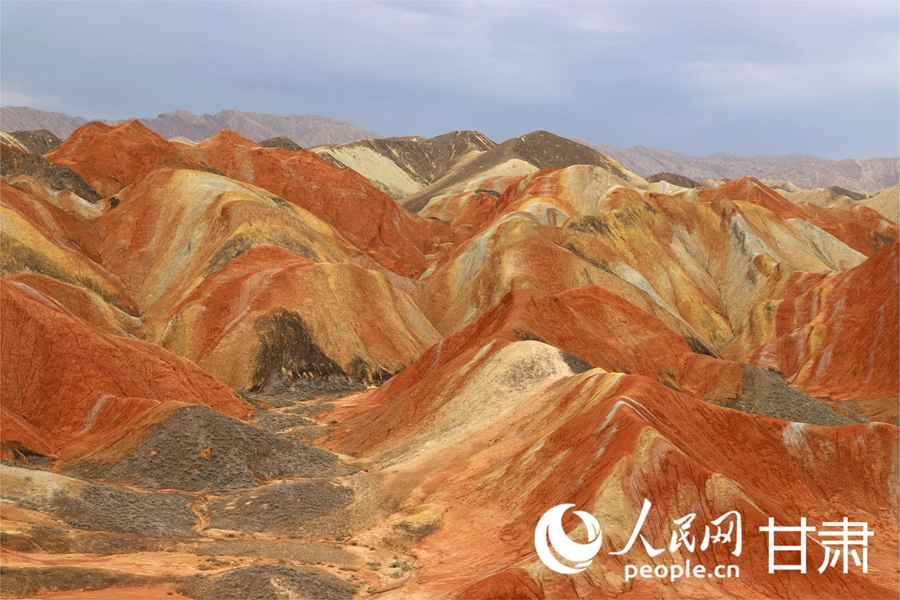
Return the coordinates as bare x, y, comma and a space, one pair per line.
306, 130
25, 118
803, 170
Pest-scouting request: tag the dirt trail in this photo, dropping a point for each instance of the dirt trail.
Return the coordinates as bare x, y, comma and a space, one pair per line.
197, 507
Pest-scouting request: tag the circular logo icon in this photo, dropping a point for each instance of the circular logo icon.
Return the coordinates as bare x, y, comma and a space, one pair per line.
550, 528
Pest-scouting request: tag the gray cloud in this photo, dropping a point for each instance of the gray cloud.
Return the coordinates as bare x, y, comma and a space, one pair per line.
748, 78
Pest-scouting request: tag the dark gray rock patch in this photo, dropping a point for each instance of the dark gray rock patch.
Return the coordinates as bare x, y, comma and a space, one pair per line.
99, 507
277, 422
200, 450
20, 453
698, 347
299, 509
283, 392
544, 149
839, 191
15, 162
271, 582
287, 352
526, 335
37, 141
107, 508
22, 583
283, 142
53, 540
767, 393
675, 179
575, 363
595, 224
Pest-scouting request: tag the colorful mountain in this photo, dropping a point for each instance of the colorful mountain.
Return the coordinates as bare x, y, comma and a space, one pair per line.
240, 366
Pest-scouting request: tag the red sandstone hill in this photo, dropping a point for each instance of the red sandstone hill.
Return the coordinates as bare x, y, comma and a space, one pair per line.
480, 423
861, 228
833, 336
97, 383
586, 323
110, 158
369, 218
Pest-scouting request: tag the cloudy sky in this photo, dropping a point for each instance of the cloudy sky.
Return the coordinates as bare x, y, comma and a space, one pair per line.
747, 78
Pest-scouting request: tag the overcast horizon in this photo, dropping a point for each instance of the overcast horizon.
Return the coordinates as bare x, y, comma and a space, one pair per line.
696, 78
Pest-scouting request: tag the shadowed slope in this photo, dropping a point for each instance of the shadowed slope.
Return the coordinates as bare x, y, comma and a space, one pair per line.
281, 141
235, 323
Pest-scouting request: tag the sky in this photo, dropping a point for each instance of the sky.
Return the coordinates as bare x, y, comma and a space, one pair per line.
750, 78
